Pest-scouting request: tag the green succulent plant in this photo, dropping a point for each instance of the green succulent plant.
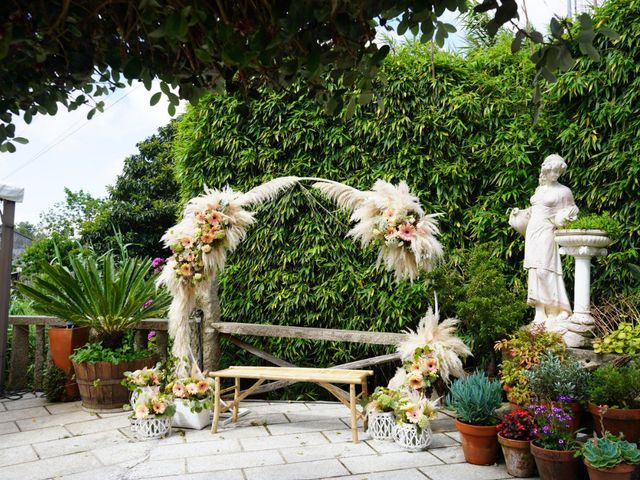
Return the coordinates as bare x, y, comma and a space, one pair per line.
475, 399
608, 451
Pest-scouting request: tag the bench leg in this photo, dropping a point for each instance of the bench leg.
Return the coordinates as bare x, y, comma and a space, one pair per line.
354, 413
236, 401
216, 406
365, 417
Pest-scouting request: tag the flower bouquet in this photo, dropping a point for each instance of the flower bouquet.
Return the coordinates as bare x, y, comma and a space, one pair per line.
380, 411
413, 412
152, 414
143, 380
194, 397
422, 370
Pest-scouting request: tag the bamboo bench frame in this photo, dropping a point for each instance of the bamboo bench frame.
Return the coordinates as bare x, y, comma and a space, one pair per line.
325, 377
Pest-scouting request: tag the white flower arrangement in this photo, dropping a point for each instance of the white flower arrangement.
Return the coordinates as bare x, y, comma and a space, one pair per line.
196, 392
150, 404
415, 409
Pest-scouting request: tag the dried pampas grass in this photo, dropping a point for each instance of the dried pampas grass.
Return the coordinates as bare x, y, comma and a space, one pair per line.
381, 215
441, 339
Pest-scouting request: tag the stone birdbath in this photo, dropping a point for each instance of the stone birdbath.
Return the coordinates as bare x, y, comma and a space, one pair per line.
582, 245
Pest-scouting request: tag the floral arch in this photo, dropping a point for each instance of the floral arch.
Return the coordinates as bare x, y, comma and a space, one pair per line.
388, 216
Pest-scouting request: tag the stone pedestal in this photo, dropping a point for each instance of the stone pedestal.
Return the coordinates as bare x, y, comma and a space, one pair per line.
577, 330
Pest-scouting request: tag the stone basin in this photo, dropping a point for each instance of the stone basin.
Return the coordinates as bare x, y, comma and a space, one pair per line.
582, 238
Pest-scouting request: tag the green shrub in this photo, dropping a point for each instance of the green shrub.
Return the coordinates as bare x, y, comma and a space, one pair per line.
555, 379
616, 387
54, 380
603, 221
475, 399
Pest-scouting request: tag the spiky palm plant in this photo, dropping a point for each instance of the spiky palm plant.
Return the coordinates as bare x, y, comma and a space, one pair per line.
103, 293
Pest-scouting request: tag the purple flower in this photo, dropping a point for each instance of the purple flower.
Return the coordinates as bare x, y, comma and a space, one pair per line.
157, 262
561, 441
151, 334
147, 304
546, 429
565, 398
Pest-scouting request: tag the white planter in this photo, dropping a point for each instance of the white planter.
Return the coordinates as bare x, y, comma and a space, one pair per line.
185, 418
410, 438
582, 238
151, 428
381, 425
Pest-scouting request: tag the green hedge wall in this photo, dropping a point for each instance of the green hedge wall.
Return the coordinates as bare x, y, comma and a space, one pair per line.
467, 145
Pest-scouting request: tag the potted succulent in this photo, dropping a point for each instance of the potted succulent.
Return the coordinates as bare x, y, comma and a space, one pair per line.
475, 400
380, 412
614, 394
413, 412
610, 457
193, 400
515, 432
555, 380
520, 352
555, 447
109, 295
152, 414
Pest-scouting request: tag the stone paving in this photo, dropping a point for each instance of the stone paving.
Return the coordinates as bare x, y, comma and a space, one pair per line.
276, 440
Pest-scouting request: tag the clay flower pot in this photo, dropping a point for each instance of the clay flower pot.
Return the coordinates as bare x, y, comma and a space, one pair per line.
62, 343
517, 456
616, 421
622, 471
479, 443
557, 464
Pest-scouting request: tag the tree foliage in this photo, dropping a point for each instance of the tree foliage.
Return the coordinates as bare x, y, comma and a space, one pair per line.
67, 218
63, 53
142, 204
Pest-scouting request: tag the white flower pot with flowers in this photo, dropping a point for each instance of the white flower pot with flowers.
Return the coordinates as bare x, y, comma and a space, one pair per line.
193, 400
380, 413
413, 412
152, 415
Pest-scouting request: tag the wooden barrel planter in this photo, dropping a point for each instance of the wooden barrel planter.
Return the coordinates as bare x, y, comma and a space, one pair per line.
100, 382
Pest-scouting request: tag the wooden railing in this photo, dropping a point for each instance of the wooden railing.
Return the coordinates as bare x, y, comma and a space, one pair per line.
19, 361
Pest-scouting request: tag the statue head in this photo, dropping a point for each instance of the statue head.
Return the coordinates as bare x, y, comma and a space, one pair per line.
552, 167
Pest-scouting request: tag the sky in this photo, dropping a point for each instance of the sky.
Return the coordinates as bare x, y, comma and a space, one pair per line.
67, 150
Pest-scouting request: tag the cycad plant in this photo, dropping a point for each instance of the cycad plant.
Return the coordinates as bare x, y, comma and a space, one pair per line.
105, 293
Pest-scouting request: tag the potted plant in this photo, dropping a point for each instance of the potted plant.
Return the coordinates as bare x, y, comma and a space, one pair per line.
618, 325
62, 343
555, 380
475, 400
614, 394
193, 400
109, 295
555, 447
515, 432
413, 412
591, 230
145, 379
152, 414
380, 412
520, 352
610, 458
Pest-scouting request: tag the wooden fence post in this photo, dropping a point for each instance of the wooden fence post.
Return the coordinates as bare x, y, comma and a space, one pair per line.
19, 357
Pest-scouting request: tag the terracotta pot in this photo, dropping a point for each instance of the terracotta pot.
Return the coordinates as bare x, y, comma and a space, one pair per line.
616, 421
99, 382
479, 443
557, 464
622, 471
517, 456
62, 343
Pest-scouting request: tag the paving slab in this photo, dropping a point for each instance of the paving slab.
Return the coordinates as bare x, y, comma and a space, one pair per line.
130, 452
389, 461
306, 471
340, 435
465, 471
324, 452
57, 466
157, 468
448, 454
231, 461
33, 436
96, 424
27, 403
284, 441
24, 413
53, 420
8, 427
302, 427
197, 449
222, 475
411, 474
80, 443
67, 407
233, 431
14, 455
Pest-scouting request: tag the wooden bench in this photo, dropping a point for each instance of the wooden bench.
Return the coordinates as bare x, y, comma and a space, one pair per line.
326, 377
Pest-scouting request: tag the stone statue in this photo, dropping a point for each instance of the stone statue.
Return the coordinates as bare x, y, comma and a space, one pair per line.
552, 205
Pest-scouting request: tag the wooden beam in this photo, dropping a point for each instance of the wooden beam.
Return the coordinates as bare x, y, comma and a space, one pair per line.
310, 333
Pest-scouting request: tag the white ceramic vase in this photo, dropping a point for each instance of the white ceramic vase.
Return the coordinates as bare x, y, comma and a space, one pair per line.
185, 418
410, 437
381, 425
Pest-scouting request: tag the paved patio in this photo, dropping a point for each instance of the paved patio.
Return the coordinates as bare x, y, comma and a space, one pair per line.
277, 440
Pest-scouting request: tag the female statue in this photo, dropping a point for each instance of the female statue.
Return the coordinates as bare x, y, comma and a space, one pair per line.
552, 205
